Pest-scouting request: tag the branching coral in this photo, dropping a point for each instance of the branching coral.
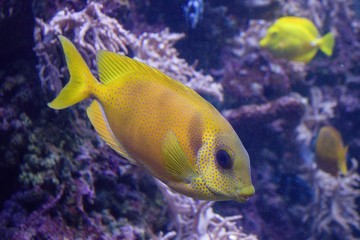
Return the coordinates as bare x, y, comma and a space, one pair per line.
91, 30
333, 211
195, 219
156, 49
78, 188
251, 74
319, 111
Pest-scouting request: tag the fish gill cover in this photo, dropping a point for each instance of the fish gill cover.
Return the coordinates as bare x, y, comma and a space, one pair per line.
59, 180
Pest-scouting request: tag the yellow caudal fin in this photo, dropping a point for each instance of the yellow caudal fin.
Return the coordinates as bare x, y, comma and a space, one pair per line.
342, 160
98, 119
327, 43
81, 79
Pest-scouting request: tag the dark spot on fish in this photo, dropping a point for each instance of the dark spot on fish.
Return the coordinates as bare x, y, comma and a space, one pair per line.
195, 131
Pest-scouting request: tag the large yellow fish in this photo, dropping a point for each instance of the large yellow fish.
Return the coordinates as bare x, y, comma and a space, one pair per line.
296, 39
159, 124
330, 151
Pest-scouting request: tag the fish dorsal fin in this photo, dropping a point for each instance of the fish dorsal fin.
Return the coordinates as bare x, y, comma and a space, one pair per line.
306, 23
98, 119
111, 66
176, 162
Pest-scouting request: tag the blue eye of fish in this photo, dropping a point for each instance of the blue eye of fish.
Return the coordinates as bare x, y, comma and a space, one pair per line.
224, 159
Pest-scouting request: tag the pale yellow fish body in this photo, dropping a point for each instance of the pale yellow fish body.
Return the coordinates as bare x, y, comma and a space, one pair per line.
330, 151
296, 39
161, 125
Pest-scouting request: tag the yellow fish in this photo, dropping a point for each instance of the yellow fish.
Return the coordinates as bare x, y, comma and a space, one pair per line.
159, 124
296, 39
330, 151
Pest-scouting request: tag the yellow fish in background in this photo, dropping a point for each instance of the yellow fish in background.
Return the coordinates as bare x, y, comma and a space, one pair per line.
296, 39
330, 151
159, 124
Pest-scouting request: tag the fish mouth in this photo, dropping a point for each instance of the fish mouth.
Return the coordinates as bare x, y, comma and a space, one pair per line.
242, 194
245, 193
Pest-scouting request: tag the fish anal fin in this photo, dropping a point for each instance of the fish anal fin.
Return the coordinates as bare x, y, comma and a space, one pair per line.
98, 119
305, 58
176, 162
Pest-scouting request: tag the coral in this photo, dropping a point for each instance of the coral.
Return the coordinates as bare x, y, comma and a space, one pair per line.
319, 111
156, 49
279, 137
333, 211
194, 219
88, 193
289, 109
268, 80
90, 35
59, 180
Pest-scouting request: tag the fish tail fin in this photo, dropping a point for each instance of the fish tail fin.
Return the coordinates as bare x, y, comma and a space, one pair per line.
327, 43
342, 160
81, 80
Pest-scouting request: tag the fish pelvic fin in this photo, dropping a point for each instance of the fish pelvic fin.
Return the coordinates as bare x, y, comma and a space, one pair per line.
81, 79
342, 160
327, 43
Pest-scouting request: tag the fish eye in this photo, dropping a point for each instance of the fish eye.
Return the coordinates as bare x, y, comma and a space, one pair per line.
224, 159
274, 33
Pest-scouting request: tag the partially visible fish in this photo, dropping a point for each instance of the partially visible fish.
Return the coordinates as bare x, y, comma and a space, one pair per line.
330, 152
296, 39
159, 124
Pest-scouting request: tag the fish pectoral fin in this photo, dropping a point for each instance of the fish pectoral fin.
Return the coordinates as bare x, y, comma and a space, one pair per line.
176, 162
98, 119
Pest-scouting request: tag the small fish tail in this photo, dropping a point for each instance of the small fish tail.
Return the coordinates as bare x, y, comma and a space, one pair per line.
327, 43
342, 160
81, 80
